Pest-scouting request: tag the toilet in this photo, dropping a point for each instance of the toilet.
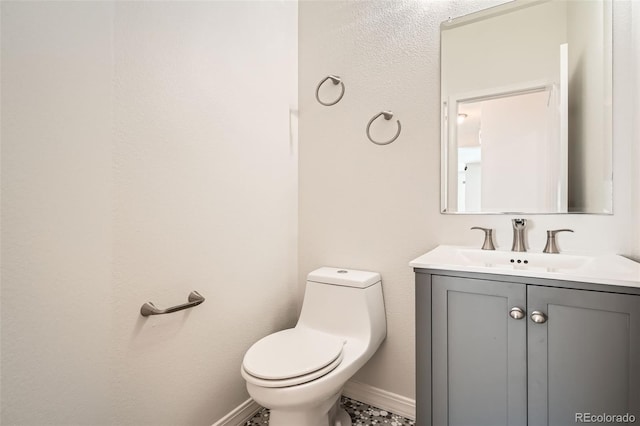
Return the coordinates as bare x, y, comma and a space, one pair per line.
299, 373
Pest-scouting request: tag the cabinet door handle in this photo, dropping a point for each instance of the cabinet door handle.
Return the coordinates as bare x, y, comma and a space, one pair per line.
538, 317
516, 313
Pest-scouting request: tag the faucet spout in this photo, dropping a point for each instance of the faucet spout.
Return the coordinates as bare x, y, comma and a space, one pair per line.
519, 225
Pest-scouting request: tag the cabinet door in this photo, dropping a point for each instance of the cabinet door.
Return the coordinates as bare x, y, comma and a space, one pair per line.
585, 358
479, 353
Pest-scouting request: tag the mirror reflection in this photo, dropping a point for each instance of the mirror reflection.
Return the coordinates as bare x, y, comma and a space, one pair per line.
526, 109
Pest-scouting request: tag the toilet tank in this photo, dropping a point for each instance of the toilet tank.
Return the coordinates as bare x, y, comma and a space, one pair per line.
344, 302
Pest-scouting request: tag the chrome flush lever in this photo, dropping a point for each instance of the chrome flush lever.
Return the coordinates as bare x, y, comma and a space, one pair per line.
488, 238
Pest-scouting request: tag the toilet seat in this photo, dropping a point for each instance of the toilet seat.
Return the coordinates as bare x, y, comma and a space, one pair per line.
293, 381
292, 357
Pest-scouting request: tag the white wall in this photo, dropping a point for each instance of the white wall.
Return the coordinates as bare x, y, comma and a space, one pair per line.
56, 212
148, 150
377, 207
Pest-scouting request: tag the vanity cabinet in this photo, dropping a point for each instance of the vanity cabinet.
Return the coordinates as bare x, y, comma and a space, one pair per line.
489, 366
479, 353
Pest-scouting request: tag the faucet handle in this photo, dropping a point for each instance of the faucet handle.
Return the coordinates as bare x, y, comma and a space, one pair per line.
488, 238
551, 246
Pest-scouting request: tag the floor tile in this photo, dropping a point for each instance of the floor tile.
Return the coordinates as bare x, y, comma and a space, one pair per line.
361, 415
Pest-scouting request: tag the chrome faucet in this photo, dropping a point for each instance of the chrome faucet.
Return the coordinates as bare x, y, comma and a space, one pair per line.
519, 226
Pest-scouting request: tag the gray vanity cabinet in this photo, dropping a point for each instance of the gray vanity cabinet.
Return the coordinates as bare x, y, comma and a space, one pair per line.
585, 358
479, 353
492, 368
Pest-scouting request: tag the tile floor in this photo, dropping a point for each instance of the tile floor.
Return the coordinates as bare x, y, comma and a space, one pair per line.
361, 414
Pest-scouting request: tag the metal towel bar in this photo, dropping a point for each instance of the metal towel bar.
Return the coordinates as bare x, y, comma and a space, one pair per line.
149, 308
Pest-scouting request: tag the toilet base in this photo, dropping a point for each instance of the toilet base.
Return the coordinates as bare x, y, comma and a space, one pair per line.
341, 418
327, 414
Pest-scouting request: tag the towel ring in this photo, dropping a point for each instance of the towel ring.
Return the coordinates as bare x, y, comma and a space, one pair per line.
336, 80
387, 116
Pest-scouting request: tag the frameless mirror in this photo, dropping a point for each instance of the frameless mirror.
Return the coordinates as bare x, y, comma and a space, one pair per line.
526, 95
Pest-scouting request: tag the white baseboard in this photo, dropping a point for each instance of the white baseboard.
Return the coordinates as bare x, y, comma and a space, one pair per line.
240, 414
397, 404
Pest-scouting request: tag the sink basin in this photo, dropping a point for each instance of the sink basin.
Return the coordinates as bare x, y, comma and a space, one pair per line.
511, 260
571, 266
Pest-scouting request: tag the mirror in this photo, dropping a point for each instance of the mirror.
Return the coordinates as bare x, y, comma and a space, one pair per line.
526, 95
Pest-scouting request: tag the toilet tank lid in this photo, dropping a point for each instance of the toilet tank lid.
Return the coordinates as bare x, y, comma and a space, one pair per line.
344, 277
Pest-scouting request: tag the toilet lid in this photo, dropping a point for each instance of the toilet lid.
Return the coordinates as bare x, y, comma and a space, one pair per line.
292, 353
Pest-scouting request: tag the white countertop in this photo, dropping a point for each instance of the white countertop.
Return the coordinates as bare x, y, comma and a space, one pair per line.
597, 268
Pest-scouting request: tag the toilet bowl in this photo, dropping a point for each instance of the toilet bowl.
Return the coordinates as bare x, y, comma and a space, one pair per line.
299, 373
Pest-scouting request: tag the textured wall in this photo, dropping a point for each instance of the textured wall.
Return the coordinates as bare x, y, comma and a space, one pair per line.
205, 199
148, 150
56, 213
376, 208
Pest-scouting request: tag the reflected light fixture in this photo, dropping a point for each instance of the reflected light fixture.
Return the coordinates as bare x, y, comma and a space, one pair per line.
461, 118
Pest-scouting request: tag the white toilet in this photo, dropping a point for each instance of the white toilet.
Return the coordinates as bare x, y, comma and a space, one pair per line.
299, 373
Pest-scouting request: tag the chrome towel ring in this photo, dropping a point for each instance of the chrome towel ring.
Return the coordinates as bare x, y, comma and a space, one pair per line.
336, 80
387, 116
